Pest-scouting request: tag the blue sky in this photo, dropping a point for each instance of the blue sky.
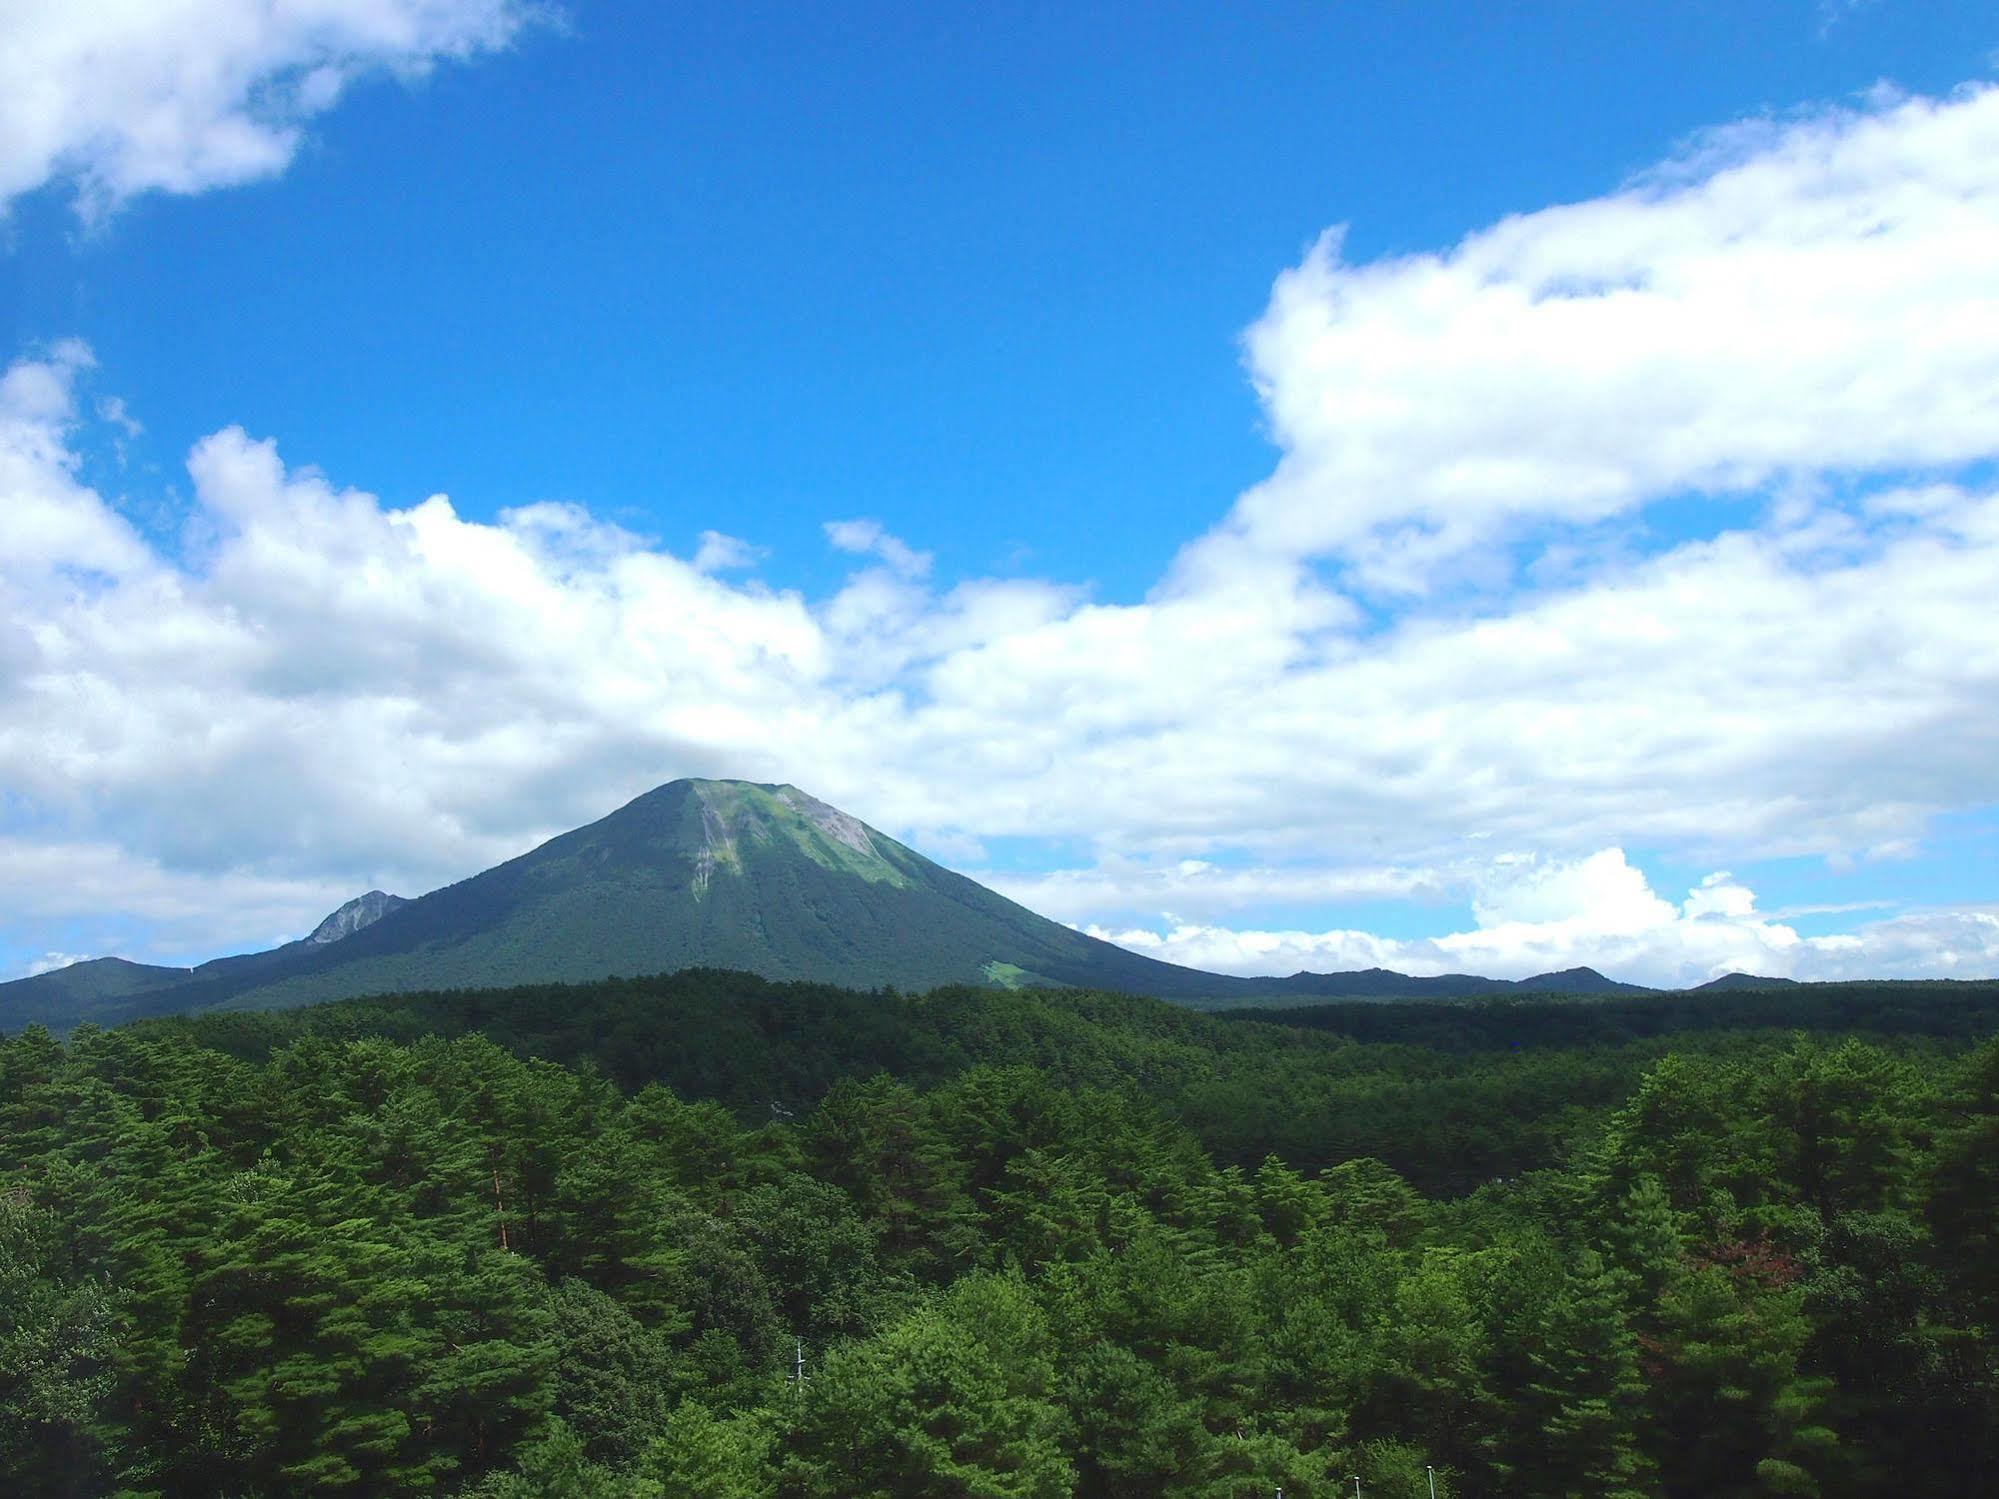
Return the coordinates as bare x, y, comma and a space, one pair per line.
993, 280
978, 274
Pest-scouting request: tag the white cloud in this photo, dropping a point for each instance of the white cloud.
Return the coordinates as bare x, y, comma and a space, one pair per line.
53, 526
123, 97
318, 691
1603, 891
332, 685
1720, 895
1813, 295
111, 409
1600, 912
111, 892
1198, 888
867, 538
49, 962
719, 553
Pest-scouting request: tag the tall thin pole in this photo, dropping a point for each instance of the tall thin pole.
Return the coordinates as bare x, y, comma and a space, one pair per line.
1356, 1486
1433, 1480
798, 1367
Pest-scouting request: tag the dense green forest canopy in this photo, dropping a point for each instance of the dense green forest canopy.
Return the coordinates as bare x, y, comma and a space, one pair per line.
575, 1240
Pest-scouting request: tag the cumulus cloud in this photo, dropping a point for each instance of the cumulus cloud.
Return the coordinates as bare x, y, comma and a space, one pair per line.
1810, 295
122, 97
316, 690
53, 526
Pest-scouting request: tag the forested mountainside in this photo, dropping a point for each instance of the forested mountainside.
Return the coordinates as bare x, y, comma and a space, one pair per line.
573, 1241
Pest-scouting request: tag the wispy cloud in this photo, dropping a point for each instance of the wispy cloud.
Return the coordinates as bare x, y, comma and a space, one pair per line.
1833, 12
867, 538
719, 553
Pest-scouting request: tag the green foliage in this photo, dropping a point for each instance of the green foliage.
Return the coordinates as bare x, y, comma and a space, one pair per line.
954, 1398
57, 1340
561, 1242
699, 1452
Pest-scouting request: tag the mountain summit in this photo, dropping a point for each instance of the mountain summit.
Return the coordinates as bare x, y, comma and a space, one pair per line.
697, 873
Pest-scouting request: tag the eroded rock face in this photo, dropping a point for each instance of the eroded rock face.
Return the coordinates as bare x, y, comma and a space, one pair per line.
740, 814
840, 826
361, 911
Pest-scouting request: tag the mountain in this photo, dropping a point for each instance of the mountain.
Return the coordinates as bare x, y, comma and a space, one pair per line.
99, 990
722, 874
1577, 981
1378, 983
697, 873
1384, 983
1744, 981
105, 991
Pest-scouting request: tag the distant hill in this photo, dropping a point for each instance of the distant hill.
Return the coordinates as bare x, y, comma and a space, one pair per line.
697, 874
99, 990
1744, 981
1578, 981
1377, 983
1385, 983
107, 991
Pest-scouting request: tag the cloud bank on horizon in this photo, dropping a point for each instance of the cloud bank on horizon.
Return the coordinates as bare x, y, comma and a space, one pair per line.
1436, 656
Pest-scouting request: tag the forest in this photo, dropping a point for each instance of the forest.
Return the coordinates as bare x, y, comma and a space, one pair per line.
708, 1235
